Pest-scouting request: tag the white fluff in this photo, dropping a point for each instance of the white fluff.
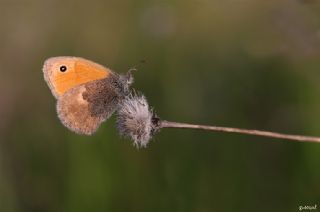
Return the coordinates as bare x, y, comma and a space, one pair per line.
135, 120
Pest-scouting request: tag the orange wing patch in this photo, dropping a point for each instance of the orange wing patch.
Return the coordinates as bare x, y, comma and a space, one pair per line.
82, 72
78, 71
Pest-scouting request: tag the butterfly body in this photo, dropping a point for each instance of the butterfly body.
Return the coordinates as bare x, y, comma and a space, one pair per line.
87, 93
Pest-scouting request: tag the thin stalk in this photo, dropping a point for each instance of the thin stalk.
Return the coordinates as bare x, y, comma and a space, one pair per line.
301, 138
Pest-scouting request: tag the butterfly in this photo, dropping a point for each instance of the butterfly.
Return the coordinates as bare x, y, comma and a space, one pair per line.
87, 93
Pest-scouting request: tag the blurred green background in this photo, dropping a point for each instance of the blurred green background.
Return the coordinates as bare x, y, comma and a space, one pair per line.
237, 63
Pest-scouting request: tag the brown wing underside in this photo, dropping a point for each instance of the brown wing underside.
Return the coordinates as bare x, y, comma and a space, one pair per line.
83, 108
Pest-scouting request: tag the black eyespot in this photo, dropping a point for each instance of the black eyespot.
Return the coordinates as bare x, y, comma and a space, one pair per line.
63, 68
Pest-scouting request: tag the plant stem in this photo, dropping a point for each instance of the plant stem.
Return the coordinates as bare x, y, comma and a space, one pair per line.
301, 138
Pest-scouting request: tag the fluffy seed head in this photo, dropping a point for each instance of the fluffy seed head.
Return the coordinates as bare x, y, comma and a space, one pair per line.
135, 120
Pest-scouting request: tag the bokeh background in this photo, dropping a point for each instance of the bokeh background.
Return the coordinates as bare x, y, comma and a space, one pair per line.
237, 63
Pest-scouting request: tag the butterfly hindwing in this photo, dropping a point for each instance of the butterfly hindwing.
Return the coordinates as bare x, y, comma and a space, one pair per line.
83, 108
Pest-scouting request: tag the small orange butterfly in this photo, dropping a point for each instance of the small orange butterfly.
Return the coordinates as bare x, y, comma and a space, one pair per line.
87, 93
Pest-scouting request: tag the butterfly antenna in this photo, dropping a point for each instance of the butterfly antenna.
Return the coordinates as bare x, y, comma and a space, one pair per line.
129, 74
135, 67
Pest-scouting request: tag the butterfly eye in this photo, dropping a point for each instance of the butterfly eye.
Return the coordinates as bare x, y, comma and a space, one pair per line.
63, 68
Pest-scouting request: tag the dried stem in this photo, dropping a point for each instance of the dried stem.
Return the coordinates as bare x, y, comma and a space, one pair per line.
301, 138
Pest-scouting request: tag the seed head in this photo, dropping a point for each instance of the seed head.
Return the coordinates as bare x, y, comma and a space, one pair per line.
135, 120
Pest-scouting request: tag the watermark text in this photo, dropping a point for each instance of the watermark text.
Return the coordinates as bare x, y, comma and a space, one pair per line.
307, 207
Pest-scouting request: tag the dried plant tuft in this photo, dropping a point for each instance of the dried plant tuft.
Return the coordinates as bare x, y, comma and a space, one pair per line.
135, 119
